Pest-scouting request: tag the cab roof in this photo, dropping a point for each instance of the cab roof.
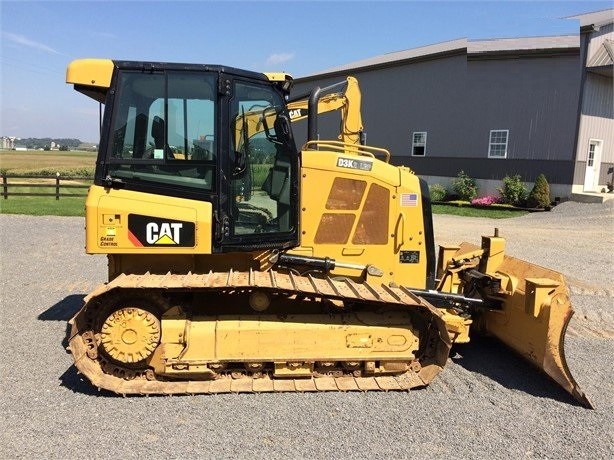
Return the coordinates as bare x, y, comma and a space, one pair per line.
92, 77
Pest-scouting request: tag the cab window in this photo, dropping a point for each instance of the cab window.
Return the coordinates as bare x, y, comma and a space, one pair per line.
163, 130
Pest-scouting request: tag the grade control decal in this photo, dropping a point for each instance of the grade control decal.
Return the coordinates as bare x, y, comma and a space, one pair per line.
154, 231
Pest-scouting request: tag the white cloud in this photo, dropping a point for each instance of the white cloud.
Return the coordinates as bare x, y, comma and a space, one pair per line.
279, 58
22, 40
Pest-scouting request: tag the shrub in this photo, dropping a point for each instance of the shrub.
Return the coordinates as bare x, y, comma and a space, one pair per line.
513, 190
465, 187
438, 192
540, 194
486, 200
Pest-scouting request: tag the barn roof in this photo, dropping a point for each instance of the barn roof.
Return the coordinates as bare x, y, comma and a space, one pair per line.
595, 19
475, 48
523, 44
396, 57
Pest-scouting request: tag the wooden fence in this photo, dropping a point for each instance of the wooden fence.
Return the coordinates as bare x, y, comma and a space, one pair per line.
54, 182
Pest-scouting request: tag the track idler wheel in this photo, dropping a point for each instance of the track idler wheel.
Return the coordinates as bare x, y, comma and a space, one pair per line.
130, 335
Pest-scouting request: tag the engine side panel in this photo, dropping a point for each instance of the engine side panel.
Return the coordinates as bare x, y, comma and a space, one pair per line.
124, 222
358, 210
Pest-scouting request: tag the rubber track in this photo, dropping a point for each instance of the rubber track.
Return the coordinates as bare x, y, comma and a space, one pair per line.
275, 282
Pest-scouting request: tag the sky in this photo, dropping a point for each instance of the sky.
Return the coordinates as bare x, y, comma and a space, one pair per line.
40, 38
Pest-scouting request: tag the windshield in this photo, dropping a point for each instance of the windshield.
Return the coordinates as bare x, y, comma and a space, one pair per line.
163, 130
260, 162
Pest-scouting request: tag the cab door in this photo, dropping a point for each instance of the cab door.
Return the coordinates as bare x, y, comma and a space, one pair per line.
260, 181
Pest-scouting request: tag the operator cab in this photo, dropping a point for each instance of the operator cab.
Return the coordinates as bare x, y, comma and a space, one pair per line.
207, 133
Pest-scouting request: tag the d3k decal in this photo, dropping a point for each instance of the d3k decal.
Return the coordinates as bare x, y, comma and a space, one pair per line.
154, 231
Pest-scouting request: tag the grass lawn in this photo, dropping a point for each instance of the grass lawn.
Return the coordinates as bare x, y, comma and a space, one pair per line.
72, 205
43, 206
467, 211
42, 163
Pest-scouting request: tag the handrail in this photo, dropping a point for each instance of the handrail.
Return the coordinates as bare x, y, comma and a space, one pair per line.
343, 147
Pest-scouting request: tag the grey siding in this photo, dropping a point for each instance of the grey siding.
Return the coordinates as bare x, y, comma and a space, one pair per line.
597, 38
605, 173
398, 100
457, 102
536, 99
597, 112
597, 120
556, 171
427, 96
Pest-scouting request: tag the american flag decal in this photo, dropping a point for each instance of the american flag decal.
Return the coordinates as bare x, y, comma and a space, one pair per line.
409, 199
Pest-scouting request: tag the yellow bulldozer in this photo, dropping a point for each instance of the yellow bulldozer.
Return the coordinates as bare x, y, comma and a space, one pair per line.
238, 263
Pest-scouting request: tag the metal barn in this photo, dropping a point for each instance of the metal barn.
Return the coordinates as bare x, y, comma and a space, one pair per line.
494, 108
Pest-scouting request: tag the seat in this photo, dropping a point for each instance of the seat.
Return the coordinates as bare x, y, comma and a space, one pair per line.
157, 132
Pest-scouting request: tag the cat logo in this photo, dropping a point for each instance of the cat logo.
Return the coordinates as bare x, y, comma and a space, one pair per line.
297, 113
154, 231
164, 233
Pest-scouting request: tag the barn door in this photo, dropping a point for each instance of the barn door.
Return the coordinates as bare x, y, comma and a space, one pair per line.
593, 164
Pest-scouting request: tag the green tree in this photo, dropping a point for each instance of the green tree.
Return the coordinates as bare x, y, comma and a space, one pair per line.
540, 194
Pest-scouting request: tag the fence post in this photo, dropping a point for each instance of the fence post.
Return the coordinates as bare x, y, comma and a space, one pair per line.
57, 186
5, 187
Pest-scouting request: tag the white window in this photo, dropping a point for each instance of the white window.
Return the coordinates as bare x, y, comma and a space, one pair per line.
418, 144
497, 146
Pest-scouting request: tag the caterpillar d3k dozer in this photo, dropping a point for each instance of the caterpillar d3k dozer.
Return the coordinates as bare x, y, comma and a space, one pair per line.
239, 264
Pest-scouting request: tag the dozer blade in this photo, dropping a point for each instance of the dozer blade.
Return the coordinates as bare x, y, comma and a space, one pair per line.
534, 318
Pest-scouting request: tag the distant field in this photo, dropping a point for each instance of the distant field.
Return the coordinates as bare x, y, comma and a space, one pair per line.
41, 163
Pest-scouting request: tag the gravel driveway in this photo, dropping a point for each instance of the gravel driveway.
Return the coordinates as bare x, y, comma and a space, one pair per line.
486, 403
